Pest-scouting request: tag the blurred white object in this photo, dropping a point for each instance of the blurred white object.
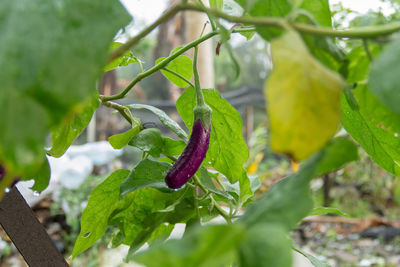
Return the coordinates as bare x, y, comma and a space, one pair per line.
99, 152
71, 169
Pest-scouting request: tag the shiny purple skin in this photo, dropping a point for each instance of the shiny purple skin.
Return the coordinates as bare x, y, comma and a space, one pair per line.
191, 158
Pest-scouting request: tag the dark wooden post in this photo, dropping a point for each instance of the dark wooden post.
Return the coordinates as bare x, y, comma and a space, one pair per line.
26, 232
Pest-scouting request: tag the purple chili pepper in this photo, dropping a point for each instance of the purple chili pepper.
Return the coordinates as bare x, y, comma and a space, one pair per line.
191, 158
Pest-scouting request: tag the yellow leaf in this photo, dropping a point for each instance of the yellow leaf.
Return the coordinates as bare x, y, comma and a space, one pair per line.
303, 99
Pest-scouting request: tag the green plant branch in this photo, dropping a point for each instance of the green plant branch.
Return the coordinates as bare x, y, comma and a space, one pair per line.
158, 66
121, 109
214, 202
125, 47
179, 76
199, 94
366, 49
362, 32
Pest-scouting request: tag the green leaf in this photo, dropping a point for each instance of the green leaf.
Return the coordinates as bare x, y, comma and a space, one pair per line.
380, 145
227, 151
42, 177
65, 133
266, 245
172, 147
137, 215
314, 261
164, 118
267, 8
384, 77
49, 72
217, 4
376, 113
124, 60
248, 35
320, 11
327, 210
204, 246
359, 62
147, 173
102, 202
337, 153
303, 108
287, 201
22, 134
119, 141
209, 184
246, 185
317, 12
148, 140
181, 65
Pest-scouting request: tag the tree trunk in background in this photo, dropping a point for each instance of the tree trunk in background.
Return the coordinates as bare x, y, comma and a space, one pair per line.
205, 63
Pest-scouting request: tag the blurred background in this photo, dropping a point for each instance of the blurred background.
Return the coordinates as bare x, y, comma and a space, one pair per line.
367, 231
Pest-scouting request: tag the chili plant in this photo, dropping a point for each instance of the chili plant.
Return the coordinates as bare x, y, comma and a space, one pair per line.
53, 52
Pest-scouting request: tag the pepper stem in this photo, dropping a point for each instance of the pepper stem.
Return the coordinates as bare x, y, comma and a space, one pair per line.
202, 111
197, 87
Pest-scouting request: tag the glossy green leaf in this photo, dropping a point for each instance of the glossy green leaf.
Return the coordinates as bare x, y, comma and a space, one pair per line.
182, 65
147, 173
287, 201
126, 59
119, 141
209, 246
164, 118
380, 145
266, 245
337, 153
172, 147
303, 108
149, 140
227, 151
102, 202
49, 72
384, 79
64, 134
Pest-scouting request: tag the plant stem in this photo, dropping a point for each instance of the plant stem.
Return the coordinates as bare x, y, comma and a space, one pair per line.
366, 49
179, 76
159, 66
215, 203
121, 109
362, 32
125, 47
199, 94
